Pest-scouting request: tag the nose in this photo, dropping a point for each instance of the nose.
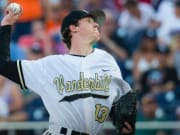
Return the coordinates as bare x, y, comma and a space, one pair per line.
96, 25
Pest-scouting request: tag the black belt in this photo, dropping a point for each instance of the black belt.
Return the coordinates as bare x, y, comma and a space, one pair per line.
64, 131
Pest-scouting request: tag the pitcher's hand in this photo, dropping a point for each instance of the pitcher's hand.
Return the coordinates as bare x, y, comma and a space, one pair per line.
127, 129
10, 17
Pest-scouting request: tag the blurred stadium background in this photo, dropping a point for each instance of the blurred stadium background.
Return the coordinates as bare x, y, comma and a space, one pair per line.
142, 35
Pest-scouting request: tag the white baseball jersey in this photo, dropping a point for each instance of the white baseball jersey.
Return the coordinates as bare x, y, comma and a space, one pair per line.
78, 92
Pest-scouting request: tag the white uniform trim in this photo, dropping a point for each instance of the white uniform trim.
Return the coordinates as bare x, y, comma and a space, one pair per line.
20, 74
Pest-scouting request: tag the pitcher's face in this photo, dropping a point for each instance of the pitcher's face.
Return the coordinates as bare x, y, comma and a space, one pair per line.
88, 29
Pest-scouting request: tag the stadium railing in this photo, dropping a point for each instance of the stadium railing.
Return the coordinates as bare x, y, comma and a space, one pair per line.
12, 126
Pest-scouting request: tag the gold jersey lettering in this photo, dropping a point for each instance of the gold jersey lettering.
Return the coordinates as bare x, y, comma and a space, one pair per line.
80, 82
106, 82
59, 82
98, 83
92, 83
69, 86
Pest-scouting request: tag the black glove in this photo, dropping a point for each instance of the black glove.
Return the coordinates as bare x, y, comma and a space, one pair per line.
124, 110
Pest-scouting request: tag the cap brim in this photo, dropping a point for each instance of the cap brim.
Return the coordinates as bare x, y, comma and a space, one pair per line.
99, 16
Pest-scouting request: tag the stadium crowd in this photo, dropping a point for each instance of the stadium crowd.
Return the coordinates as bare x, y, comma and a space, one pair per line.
142, 35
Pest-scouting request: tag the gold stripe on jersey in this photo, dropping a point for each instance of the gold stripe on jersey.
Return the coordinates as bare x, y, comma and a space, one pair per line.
96, 83
20, 74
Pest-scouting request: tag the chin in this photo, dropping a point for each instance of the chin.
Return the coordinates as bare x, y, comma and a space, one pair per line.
97, 39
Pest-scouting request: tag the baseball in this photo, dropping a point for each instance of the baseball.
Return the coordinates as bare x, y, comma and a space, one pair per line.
15, 7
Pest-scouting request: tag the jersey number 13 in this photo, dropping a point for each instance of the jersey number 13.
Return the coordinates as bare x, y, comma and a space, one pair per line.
101, 113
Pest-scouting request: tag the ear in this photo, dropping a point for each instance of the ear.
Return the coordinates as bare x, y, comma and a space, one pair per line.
73, 28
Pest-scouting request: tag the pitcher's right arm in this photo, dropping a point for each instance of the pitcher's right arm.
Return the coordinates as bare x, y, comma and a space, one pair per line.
8, 68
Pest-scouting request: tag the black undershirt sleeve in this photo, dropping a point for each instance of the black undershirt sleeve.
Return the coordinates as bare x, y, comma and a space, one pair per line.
8, 68
5, 37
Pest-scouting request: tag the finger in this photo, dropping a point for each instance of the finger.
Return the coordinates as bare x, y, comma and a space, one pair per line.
125, 130
128, 126
9, 11
13, 10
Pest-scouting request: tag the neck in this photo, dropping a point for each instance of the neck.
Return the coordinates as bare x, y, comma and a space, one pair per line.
81, 48
1, 84
81, 51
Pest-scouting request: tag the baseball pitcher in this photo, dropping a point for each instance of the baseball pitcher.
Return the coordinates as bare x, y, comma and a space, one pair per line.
79, 89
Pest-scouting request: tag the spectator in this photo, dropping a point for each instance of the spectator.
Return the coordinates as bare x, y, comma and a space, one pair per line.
150, 111
55, 11
36, 51
175, 48
163, 82
165, 7
11, 102
167, 27
133, 20
53, 15
10, 93
164, 77
38, 36
145, 57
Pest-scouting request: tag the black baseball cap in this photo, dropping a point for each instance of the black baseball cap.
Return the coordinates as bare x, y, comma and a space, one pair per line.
98, 16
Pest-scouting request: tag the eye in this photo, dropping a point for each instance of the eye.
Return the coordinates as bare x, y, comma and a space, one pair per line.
90, 20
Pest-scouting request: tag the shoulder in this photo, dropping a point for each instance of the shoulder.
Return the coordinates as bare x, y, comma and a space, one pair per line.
104, 57
103, 53
52, 58
47, 60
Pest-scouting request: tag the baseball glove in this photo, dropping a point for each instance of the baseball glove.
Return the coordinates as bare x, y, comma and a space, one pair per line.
124, 111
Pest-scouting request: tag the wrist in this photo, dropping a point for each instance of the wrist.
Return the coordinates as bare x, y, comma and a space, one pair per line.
6, 27
4, 22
